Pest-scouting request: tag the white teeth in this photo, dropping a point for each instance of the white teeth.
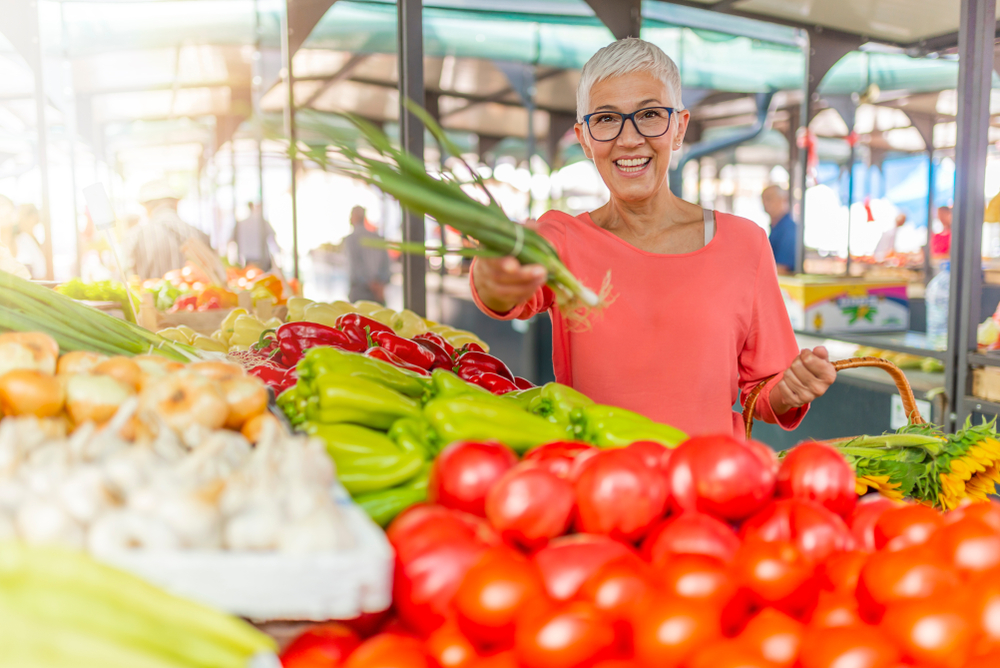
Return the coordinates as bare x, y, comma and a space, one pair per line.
632, 165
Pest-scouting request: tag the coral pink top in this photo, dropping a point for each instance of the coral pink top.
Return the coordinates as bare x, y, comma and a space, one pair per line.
684, 333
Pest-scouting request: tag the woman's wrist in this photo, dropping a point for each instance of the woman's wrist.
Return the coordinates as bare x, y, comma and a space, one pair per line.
779, 404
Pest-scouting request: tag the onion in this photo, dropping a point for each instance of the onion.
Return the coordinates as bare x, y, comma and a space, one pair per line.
182, 399
154, 366
93, 398
28, 350
254, 427
122, 369
221, 371
246, 398
30, 392
78, 361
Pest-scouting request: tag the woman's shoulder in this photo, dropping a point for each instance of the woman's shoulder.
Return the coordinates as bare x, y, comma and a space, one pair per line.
740, 230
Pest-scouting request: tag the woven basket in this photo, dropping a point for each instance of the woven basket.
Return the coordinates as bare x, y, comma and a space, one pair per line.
903, 385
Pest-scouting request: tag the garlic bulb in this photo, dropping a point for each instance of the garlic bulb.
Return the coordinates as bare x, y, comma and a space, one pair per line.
45, 521
84, 494
321, 531
119, 530
256, 527
7, 529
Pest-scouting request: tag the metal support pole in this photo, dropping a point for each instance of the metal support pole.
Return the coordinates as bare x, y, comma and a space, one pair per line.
410, 55
71, 131
530, 107
930, 213
289, 118
798, 190
45, 213
975, 49
850, 201
256, 85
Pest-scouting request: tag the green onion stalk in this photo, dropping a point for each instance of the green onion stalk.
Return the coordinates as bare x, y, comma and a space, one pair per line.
405, 178
27, 307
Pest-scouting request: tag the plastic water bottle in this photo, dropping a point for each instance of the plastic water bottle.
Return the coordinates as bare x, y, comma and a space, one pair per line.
936, 295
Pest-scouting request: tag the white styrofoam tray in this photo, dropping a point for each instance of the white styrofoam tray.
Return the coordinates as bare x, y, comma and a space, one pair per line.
264, 586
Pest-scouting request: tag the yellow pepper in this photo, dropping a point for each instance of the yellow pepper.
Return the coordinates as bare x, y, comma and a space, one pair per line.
174, 334
459, 339
202, 342
273, 323
296, 308
442, 329
217, 336
408, 324
321, 313
226, 328
246, 331
365, 307
384, 316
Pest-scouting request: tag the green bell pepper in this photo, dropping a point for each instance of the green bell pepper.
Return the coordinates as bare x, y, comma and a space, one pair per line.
557, 402
383, 506
475, 418
608, 426
322, 361
366, 460
523, 398
445, 384
415, 435
359, 401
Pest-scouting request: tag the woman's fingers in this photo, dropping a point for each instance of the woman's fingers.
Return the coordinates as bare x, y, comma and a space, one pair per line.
503, 282
808, 377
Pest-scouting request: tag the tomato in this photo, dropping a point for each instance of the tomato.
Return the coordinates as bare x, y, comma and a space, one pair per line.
775, 636
907, 525
815, 530
493, 594
777, 574
619, 496
969, 544
835, 609
503, 659
991, 660
984, 608
465, 471
529, 506
388, 650
864, 517
847, 647
668, 631
904, 575
448, 647
616, 589
764, 453
818, 472
557, 457
721, 476
566, 562
367, 624
988, 512
840, 572
320, 646
424, 524
655, 455
690, 533
565, 635
696, 576
433, 553
931, 632
728, 654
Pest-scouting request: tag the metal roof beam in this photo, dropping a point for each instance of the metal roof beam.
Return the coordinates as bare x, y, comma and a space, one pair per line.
499, 95
622, 17
339, 75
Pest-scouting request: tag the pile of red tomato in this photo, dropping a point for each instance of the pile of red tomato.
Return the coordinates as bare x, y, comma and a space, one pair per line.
711, 555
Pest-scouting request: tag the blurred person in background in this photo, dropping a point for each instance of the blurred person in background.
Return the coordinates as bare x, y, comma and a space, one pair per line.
941, 242
783, 235
17, 234
254, 238
153, 247
368, 266
887, 242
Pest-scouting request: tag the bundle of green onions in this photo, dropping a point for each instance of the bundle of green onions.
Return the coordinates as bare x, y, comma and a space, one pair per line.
922, 463
404, 177
27, 307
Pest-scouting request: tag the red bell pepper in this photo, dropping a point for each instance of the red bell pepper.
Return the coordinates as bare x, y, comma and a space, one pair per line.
363, 322
408, 351
493, 382
185, 303
471, 347
485, 363
442, 360
386, 356
295, 338
436, 339
274, 376
359, 338
523, 383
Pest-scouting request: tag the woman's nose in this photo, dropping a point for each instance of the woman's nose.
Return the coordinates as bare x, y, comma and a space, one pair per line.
630, 135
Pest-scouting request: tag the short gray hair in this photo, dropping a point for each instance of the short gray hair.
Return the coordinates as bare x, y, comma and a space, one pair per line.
625, 57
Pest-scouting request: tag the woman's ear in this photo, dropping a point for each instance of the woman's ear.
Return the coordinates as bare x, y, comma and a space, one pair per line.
581, 136
681, 120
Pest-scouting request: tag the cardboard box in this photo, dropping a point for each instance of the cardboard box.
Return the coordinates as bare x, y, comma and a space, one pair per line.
986, 383
834, 304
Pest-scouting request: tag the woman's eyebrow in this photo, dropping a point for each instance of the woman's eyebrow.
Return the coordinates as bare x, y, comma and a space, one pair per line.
642, 105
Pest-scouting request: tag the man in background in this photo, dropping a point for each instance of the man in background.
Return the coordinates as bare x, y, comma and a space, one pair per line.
153, 248
254, 238
369, 266
783, 237
941, 242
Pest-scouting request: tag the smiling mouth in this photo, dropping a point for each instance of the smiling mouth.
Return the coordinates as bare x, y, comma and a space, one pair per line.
632, 165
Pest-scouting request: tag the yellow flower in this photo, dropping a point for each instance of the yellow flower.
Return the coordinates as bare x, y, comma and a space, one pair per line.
974, 475
879, 483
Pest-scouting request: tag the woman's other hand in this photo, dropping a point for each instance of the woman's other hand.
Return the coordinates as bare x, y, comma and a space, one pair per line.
806, 379
504, 283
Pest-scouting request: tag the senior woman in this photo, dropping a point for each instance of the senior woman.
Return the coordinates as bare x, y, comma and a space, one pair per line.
697, 313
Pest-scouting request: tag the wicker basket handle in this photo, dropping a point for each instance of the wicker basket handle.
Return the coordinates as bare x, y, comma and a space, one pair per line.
903, 385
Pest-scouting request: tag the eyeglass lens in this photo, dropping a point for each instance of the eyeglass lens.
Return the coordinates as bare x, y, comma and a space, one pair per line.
606, 126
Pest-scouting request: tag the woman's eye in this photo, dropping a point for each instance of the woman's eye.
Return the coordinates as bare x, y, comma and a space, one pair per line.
607, 118
651, 113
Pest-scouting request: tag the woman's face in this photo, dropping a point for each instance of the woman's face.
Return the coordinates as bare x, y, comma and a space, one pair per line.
633, 167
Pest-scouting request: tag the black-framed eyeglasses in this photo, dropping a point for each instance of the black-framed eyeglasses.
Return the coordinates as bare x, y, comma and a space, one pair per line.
649, 122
